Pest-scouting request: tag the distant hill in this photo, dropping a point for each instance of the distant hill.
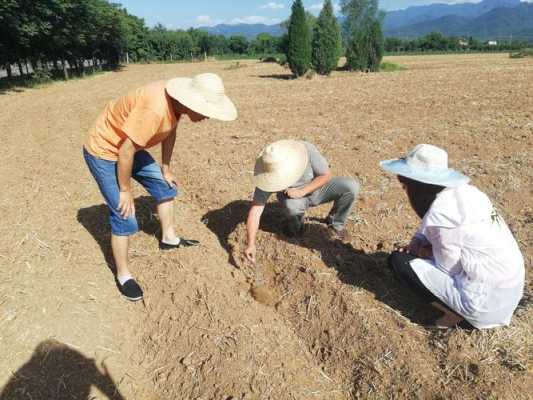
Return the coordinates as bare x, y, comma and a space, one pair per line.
497, 23
427, 13
488, 19
250, 31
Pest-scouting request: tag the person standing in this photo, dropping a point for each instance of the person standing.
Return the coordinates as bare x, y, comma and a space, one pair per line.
115, 152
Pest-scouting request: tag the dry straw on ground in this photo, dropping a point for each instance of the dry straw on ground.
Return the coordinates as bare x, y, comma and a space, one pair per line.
336, 325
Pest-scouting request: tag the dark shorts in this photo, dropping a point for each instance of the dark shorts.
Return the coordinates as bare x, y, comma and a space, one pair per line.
145, 171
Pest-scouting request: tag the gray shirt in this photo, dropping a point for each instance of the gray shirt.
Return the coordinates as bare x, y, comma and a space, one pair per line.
317, 165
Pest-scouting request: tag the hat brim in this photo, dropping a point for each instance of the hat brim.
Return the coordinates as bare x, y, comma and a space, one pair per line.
294, 161
447, 178
181, 90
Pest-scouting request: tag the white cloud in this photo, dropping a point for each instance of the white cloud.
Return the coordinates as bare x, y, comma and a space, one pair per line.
203, 19
255, 19
206, 20
315, 7
318, 7
272, 6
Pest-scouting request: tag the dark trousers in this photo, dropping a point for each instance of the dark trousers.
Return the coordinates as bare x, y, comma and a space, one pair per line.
399, 263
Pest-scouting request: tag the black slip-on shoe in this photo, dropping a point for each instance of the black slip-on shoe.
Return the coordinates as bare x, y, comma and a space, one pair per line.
131, 290
338, 234
183, 243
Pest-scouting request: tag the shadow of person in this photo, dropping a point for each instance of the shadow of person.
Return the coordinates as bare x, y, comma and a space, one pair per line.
354, 266
224, 221
96, 220
55, 371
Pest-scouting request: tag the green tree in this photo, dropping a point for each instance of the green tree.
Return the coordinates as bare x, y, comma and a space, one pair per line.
326, 41
218, 45
238, 44
264, 43
310, 18
363, 34
394, 44
434, 41
299, 51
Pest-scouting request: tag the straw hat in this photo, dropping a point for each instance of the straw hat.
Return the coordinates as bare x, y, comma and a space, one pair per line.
203, 94
280, 165
428, 164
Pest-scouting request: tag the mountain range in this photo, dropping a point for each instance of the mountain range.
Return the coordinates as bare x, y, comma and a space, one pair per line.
488, 19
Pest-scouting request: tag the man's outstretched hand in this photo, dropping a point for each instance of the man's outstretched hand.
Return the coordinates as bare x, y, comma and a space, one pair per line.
249, 253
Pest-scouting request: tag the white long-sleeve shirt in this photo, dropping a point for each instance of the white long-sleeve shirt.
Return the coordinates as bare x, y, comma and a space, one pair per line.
477, 268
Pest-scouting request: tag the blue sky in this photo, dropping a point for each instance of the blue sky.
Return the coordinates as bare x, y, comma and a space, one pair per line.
184, 14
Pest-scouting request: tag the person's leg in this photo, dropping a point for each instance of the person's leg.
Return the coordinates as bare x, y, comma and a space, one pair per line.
120, 247
294, 210
104, 172
343, 192
449, 319
148, 173
165, 210
400, 264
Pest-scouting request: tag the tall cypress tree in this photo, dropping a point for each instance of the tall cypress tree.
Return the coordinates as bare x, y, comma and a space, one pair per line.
326, 41
299, 54
363, 34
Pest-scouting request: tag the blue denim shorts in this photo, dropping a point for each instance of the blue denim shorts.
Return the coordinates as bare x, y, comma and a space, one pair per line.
145, 171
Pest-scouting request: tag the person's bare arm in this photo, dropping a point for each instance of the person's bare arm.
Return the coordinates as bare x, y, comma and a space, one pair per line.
252, 226
167, 148
126, 153
317, 183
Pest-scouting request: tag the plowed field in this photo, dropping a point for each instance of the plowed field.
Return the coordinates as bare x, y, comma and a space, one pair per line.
331, 322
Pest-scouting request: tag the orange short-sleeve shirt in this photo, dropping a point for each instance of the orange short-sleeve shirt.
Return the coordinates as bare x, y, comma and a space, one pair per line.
145, 115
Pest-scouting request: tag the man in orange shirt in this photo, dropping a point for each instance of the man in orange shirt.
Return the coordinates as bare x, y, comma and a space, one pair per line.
115, 152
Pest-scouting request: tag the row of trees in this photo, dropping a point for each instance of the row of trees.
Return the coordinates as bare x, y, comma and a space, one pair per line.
436, 41
320, 46
168, 45
69, 32
80, 34
76, 35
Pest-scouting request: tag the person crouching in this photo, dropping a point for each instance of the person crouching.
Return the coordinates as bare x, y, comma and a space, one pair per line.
463, 259
301, 177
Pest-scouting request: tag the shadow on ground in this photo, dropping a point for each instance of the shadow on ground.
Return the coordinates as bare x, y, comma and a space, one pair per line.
284, 77
96, 220
56, 371
354, 266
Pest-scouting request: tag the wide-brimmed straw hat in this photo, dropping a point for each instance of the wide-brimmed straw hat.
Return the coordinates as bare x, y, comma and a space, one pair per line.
204, 94
428, 164
280, 165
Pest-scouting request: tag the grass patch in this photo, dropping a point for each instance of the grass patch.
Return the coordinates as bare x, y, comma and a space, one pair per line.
235, 65
522, 53
391, 67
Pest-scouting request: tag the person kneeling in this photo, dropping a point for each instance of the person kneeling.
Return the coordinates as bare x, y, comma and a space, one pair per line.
463, 258
301, 177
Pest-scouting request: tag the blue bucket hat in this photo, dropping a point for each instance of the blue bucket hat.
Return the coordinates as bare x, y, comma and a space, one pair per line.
428, 164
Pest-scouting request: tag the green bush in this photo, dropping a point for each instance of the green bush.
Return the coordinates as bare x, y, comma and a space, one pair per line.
522, 53
270, 59
41, 76
391, 67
